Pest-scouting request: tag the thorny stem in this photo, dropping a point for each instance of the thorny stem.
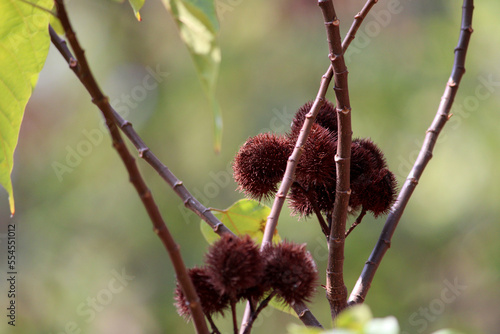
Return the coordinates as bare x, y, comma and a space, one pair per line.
85, 75
443, 114
335, 287
356, 223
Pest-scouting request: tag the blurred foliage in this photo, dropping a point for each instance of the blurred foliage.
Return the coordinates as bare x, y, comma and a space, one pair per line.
76, 232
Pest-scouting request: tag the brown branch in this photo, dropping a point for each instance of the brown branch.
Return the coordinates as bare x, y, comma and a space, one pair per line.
443, 114
85, 75
335, 287
358, 19
356, 222
351, 34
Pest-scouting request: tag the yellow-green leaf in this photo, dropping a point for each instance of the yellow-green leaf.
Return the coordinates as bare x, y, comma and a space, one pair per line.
198, 26
282, 306
55, 23
243, 217
136, 6
24, 44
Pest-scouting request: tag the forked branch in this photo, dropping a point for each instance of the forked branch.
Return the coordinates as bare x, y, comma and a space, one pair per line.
443, 114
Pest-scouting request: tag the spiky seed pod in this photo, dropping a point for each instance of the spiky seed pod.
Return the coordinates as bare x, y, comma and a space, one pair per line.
211, 300
235, 266
376, 156
327, 117
362, 169
260, 164
302, 203
317, 163
373, 186
380, 193
315, 173
290, 271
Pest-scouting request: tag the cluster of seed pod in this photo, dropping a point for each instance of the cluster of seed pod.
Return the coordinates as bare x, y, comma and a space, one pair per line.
261, 162
235, 269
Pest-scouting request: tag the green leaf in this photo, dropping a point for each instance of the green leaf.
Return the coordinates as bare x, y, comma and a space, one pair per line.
198, 26
56, 25
243, 217
281, 306
24, 44
447, 331
136, 6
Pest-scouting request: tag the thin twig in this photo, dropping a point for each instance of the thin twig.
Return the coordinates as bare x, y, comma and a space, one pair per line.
335, 287
85, 75
358, 19
356, 223
317, 212
215, 330
443, 114
233, 313
256, 313
351, 34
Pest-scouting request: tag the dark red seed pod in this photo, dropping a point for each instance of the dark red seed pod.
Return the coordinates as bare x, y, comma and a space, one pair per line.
301, 202
211, 300
327, 117
235, 266
317, 162
380, 193
373, 186
362, 169
291, 272
260, 164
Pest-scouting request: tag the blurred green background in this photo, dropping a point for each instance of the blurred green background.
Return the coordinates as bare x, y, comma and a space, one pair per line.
80, 229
